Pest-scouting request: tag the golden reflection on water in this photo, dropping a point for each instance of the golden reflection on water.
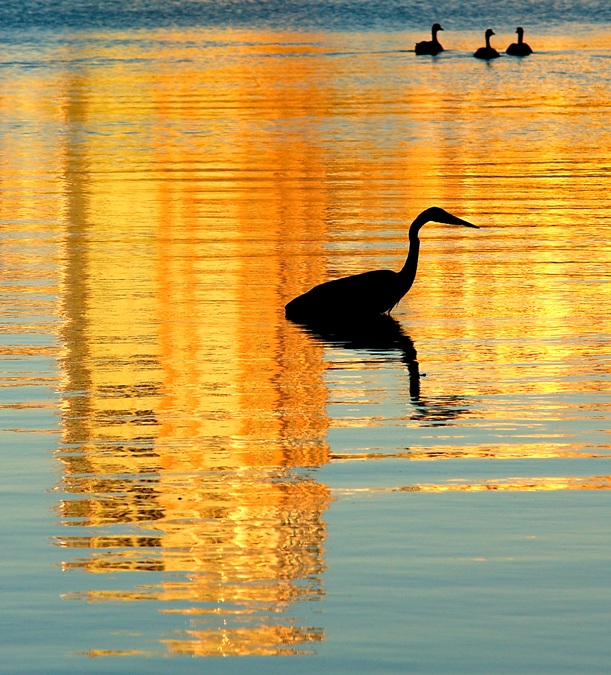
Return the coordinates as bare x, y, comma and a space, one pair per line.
543, 483
189, 197
184, 405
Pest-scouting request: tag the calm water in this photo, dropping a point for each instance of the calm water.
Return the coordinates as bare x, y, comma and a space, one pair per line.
185, 473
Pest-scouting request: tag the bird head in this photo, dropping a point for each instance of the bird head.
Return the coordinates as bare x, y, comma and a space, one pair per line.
520, 30
490, 32
439, 215
436, 27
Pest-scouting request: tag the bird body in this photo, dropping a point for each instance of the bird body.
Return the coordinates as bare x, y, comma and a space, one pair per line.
430, 47
519, 48
374, 292
487, 52
369, 293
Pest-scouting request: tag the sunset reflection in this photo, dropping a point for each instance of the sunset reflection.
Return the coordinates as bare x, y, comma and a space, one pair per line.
541, 484
187, 405
179, 190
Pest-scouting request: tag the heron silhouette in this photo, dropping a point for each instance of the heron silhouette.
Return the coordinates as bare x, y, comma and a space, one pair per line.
370, 293
519, 48
431, 47
487, 52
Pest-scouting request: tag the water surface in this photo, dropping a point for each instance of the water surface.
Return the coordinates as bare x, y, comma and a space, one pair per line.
189, 474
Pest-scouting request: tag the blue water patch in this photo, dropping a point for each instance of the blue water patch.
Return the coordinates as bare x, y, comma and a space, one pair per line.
339, 15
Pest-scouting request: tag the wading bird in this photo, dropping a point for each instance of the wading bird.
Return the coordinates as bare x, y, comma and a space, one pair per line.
430, 46
369, 293
519, 48
487, 52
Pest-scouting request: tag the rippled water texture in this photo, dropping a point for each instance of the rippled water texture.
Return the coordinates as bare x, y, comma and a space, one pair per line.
186, 472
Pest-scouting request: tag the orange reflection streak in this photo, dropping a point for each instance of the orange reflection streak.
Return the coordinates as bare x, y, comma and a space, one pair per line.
523, 485
440, 452
263, 641
539, 484
163, 311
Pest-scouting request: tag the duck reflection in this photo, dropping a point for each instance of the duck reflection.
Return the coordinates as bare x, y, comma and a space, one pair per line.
384, 334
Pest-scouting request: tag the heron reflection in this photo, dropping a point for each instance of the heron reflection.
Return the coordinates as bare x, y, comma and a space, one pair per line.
377, 334
384, 335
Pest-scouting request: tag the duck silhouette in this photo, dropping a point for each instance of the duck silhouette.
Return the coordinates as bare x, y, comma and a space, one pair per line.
487, 52
519, 48
431, 47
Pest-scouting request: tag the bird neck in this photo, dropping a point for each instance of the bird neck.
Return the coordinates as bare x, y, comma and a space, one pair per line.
487, 42
520, 38
409, 269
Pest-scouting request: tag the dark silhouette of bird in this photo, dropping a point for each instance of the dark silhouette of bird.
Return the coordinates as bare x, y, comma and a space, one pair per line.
519, 48
487, 52
369, 293
430, 46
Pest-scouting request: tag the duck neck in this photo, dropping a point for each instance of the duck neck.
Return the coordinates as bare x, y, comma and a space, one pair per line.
487, 42
520, 38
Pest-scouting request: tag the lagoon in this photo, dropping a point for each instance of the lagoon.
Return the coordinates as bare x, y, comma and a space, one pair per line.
187, 475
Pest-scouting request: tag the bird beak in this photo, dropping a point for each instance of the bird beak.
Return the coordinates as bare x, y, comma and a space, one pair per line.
453, 220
